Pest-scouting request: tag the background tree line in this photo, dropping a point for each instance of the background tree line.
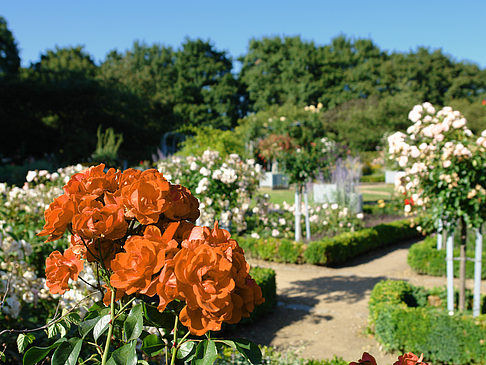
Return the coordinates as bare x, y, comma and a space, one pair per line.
55, 106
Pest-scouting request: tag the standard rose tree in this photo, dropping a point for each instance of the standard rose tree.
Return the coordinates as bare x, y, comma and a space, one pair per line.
135, 229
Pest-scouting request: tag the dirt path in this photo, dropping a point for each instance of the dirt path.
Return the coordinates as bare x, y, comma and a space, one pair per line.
323, 311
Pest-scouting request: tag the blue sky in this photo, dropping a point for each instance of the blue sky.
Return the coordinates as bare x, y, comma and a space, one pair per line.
458, 27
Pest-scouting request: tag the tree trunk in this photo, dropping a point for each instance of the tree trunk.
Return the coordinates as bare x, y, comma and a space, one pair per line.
298, 229
462, 266
307, 221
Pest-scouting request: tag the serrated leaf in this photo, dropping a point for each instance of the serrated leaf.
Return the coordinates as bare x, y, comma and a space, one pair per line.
68, 352
186, 351
157, 319
249, 350
125, 355
58, 328
87, 325
101, 326
24, 340
36, 354
152, 345
133, 325
206, 353
74, 318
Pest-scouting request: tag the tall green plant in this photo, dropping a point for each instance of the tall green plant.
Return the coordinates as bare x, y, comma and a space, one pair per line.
107, 146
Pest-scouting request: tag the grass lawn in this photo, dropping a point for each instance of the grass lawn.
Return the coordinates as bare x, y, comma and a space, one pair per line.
371, 192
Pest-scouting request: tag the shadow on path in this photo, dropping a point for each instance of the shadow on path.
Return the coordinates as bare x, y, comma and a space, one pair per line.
301, 302
338, 288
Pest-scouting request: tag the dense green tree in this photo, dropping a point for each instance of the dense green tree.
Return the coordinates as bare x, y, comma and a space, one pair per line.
9, 53
280, 71
206, 92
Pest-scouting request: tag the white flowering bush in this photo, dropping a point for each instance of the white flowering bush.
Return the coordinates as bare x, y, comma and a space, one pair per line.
442, 162
224, 187
276, 220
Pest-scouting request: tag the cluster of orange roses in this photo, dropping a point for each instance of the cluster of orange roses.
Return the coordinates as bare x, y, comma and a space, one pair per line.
406, 359
137, 227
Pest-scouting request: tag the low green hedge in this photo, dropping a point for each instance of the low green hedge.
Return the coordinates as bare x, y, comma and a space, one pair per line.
424, 258
340, 249
330, 250
403, 320
373, 178
265, 278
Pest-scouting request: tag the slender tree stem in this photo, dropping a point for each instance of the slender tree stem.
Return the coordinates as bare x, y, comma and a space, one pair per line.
174, 345
110, 328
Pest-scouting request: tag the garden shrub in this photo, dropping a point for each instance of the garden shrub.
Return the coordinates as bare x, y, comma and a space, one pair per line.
424, 258
341, 248
265, 278
289, 251
372, 178
403, 320
329, 250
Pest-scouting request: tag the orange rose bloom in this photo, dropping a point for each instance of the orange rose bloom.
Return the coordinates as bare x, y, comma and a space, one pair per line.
251, 295
61, 268
410, 359
128, 176
78, 246
147, 197
108, 251
57, 216
204, 277
184, 206
98, 221
133, 269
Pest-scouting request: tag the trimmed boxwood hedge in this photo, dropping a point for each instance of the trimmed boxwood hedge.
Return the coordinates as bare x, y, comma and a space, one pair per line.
402, 320
424, 258
330, 250
265, 278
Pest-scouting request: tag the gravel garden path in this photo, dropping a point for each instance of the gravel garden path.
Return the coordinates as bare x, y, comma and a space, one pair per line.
323, 311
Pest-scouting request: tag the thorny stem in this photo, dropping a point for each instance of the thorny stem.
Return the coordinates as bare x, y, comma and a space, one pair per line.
174, 347
110, 328
124, 307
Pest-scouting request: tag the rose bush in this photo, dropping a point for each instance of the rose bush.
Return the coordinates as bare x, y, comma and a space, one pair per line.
134, 230
224, 187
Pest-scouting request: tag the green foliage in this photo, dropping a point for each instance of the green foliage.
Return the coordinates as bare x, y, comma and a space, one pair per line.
372, 178
107, 147
329, 250
225, 142
402, 320
9, 53
424, 258
271, 356
341, 248
265, 278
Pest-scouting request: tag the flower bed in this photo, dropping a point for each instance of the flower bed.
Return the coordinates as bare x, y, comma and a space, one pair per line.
330, 251
424, 258
403, 318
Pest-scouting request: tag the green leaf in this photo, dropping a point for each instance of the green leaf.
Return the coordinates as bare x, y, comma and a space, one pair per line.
24, 340
101, 326
36, 354
142, 362
125, 355
206, 353
68, 352
187, 351
249, 350
87, 325
133, 325
157, 319
58, 328
152, 345
74, 318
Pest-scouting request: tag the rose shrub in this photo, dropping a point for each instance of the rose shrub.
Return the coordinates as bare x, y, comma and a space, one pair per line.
134, 228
